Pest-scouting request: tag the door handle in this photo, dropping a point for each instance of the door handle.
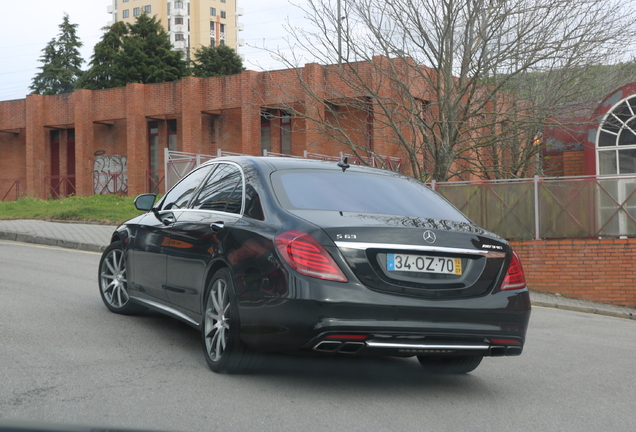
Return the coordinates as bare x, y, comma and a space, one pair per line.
217, 226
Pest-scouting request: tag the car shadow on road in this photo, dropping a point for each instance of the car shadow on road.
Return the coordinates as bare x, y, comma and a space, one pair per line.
318, 371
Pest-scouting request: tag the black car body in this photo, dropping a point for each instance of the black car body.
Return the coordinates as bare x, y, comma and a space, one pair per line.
282, 254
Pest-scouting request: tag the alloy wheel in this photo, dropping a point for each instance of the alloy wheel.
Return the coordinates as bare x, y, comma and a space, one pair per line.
217, 322
113, 279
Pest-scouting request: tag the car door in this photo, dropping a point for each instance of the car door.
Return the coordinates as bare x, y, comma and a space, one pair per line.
197, 234
152, 237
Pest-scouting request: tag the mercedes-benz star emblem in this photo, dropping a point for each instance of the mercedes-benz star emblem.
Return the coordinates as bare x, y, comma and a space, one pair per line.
429, 236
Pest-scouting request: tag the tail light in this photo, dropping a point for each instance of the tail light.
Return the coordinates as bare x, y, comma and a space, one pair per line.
515, 279
304, 254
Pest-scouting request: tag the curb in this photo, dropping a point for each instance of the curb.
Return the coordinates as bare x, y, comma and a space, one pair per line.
585, 309
67, 244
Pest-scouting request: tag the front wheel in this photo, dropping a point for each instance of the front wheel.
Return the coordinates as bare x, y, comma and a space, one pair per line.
450, 365
113, 285
224, 350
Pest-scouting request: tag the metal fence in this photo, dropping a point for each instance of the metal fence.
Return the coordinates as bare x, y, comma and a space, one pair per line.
11, 189
58, 186
178, 164
540, 207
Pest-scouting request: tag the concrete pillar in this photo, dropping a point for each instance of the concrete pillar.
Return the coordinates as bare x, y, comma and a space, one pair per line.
314, 108
84, 136
191, 118
36, 147
136, 139
250, 114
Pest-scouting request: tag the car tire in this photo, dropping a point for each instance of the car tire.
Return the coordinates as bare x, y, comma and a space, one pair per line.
450, 365
113, 284
224, 350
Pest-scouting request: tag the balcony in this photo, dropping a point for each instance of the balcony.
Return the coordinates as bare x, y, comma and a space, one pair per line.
181, 44
179, 12
181, 28
239, 11
241, 42
110, 9
240, 26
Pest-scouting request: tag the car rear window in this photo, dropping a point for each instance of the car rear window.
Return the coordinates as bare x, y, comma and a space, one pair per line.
361, 193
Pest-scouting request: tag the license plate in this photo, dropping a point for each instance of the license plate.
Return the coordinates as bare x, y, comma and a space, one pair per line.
423, 264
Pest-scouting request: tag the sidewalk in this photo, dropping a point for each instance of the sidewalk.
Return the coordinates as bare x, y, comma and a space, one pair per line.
95, 238
88, 237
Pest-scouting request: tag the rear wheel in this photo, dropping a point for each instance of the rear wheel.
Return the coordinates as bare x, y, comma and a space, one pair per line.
450, 365
113, 284
223, 348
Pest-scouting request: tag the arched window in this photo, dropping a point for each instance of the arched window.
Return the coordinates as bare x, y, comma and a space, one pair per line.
616, 140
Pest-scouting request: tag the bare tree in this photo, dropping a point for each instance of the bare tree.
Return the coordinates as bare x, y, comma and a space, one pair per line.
452, 86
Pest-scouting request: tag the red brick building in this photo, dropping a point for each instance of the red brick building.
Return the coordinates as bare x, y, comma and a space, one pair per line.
595, 138
63, 144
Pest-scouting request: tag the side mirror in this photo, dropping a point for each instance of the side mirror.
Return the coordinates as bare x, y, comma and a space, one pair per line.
145, 202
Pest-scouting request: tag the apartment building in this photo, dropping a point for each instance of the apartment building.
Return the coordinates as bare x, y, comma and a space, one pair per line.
191, 24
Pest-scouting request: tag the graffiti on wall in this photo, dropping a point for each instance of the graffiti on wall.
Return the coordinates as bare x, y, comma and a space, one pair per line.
110, 175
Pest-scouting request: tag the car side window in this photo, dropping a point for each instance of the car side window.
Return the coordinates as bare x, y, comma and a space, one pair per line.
179, 196
253, 208
222, 191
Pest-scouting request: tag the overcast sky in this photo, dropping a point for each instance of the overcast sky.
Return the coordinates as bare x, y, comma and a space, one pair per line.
31, 25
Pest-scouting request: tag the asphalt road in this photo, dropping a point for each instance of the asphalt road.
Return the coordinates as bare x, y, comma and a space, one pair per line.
65, 359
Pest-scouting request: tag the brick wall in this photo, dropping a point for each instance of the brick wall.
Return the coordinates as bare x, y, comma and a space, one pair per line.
592, 269
573, 163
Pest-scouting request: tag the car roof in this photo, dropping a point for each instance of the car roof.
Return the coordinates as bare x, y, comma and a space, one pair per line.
269, 163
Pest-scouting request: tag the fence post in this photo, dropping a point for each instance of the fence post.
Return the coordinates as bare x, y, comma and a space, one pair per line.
166, 159
536, 208
433, 184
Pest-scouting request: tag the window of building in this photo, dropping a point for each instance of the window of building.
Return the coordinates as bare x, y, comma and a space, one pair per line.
222, 1
172, 135
178, 5
223, 14
153, 142
266, 126
124, 1
178, 21
70, 161
213, 11
222, 28
126, 13
285, 132
616, 139
136, 12
147, 9
179, 37
423, 107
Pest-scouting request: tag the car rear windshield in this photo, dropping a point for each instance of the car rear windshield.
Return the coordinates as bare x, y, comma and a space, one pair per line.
361, 193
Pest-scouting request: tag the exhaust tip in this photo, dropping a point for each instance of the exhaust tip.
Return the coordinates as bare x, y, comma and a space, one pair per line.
328, 346
497, 351
513, 351
351, 347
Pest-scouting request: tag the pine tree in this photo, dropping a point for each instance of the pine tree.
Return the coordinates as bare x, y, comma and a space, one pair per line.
104, 68
133, 53
61, 62
216, 61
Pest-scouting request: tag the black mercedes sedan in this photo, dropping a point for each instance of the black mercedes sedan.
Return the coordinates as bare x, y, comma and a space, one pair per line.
281, 254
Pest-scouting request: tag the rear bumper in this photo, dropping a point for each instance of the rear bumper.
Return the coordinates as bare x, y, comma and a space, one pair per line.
311, 318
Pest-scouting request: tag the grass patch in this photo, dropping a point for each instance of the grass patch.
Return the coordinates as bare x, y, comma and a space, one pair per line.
109, 209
